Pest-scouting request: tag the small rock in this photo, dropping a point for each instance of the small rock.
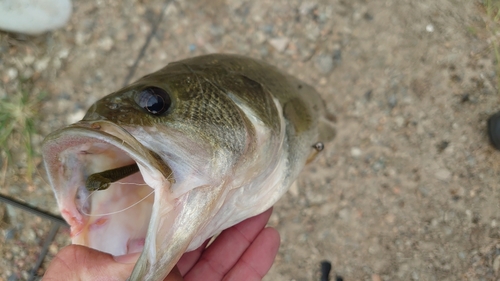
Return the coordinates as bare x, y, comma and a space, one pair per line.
344, 214
12, 73
355, 152
171, 10
217, 30
10, 234
34, 17
279, 43
378, 165
268, 28
376, 277
76, 116
106, 43
81, 38
42, 64
324, 63
392, 100
53, 249
462, 255
400, 121
423, 191
429, 28
29, 235
260, 37
443, 174
63, 53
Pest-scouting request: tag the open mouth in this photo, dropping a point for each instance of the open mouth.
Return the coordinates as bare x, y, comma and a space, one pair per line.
104, 181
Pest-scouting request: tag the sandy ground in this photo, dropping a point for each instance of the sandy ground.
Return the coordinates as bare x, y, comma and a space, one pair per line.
407, 191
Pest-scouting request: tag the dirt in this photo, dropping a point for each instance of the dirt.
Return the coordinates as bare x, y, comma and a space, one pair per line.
408, 190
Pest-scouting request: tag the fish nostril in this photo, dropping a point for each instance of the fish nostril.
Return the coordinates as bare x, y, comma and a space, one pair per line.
113, 106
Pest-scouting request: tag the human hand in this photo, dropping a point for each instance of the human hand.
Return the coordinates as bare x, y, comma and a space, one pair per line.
245, 251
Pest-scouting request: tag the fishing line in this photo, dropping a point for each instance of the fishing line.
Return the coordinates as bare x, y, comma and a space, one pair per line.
119, 211
134, 204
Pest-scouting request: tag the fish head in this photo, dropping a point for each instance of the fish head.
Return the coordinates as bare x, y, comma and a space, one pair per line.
177, 137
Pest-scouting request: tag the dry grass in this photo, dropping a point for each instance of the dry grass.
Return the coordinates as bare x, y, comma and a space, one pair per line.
18, 117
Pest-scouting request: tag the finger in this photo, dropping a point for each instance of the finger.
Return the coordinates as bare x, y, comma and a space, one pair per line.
189, 259
225, 251
174, 275
257, 259
76, 262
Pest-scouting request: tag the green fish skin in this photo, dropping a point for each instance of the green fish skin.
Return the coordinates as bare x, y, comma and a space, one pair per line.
218, 138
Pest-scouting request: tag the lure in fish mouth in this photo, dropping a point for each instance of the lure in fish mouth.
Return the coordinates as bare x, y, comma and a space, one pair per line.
183, 153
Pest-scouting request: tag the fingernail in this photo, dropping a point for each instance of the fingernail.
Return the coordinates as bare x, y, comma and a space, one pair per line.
128, 258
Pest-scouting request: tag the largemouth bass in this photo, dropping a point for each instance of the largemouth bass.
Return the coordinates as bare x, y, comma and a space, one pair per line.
183, 153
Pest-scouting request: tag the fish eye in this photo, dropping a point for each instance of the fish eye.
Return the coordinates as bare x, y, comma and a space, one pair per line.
155, 100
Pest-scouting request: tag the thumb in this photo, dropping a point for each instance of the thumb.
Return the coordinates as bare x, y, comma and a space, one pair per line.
77, 262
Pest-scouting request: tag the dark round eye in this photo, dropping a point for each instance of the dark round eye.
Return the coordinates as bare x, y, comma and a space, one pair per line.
155, 100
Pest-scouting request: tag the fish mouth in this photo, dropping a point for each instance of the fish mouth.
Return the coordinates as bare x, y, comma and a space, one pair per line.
115, 219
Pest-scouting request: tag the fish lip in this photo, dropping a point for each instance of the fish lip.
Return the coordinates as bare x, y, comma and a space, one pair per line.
108, 132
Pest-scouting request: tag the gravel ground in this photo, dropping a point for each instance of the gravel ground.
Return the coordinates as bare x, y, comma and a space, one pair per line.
408, 190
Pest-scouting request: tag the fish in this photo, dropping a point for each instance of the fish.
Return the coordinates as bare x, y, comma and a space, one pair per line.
169, 161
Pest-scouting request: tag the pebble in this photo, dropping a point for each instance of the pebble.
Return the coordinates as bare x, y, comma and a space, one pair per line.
53, 249
400, 121
29, 235
12, 73
106, 43
344, 214
42, 64
75, 116
443, 174
81, 38
9, 234
462, 255
355, 152
279, 43
324, 63
392, 100
260, 37
423, 191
